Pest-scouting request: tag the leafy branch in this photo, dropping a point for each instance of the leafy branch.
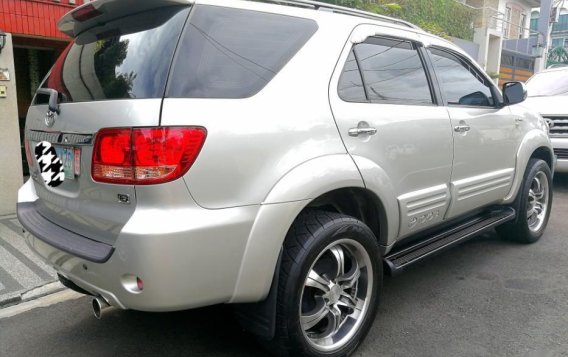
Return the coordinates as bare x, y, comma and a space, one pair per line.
444, 18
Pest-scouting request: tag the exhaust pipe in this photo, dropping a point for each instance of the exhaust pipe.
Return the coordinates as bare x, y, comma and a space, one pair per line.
99, 306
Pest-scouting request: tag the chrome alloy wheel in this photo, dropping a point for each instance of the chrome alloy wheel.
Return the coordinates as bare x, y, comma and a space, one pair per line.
537, 204
336, 295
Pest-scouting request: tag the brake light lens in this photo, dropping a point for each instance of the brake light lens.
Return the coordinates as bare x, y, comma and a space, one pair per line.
85, 13
145, 156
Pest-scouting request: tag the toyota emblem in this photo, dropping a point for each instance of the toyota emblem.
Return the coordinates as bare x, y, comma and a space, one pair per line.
50, 118
550, 123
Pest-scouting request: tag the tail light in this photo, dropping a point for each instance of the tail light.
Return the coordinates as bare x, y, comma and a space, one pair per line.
145, 156
85, 13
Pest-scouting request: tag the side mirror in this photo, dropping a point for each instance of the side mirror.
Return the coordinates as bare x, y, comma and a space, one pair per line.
475, 98
514, 93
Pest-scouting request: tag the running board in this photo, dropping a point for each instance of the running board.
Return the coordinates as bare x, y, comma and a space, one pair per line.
397, 261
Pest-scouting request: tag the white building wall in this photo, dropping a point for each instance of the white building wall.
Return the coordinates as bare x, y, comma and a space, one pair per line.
519, 7
11, 176
495, 28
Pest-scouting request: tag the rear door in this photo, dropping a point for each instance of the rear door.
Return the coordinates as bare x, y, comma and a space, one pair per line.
113, 75
385, 105
486, 135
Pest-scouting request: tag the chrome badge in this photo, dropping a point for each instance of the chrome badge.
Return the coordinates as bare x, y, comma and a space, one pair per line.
550, 123
50, 118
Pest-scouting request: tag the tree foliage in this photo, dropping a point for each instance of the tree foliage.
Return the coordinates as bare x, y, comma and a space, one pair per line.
385, 7
109, 55
441, 17
557, 56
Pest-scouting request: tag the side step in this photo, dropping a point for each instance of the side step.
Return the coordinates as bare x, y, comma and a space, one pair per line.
397, 261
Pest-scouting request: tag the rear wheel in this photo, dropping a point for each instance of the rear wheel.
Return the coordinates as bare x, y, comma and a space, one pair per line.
329, 284
534, 202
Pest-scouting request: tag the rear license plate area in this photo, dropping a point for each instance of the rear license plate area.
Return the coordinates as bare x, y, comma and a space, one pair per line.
71, 159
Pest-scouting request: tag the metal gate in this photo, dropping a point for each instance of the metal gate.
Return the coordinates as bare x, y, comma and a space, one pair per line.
515, 67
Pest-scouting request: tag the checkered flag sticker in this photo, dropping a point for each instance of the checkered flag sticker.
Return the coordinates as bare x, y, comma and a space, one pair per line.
50, 165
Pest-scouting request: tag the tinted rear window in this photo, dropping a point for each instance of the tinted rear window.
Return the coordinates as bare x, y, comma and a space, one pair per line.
125, 59
351, 87
393, 71
233, 53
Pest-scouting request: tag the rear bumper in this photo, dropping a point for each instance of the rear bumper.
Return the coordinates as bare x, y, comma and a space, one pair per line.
61, 238
186, 256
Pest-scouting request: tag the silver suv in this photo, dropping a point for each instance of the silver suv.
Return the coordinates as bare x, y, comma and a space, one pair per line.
276, 155
547, 92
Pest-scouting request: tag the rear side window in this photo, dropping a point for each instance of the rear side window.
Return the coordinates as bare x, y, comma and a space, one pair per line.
351, 84
391, 70
233, 53
124, 59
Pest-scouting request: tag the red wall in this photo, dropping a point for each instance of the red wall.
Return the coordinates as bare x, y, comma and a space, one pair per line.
34, 17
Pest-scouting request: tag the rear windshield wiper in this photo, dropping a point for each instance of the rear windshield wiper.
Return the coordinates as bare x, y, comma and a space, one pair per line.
53, 98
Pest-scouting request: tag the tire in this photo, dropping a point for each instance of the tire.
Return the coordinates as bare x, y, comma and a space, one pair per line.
313, 288
534, 203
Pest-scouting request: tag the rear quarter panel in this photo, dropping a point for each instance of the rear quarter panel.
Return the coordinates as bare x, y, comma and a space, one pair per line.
252, 143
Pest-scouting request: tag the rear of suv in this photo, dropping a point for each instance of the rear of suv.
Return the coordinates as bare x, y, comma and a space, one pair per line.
271, 156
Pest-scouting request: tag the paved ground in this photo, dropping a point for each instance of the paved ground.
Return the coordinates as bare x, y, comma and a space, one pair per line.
20, 269
484, 298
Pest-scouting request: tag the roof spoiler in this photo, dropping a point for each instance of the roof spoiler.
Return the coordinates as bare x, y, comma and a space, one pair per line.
99, 12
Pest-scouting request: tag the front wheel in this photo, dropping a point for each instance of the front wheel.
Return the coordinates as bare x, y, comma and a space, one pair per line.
535, 205
329, 285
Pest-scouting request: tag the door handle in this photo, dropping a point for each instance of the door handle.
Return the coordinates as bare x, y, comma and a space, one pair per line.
355, 132
519, 120
462, 128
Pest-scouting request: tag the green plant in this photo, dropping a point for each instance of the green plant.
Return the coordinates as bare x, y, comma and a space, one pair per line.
493, 75
381, 6
445, 18
441, 17
556, 56
433, 28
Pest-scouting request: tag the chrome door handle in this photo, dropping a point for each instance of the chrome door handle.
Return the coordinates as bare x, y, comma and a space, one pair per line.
462, 128
519, 120
355, 132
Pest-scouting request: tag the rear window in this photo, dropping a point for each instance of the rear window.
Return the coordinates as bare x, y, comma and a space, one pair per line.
124, 59
233, 53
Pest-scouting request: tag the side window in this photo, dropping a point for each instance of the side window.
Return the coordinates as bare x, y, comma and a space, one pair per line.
391, 70
460, 81
351, 84
233, 53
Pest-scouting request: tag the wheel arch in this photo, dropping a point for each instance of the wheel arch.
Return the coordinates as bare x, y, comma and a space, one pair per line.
535, 144
360, 203
331, 182
546, 154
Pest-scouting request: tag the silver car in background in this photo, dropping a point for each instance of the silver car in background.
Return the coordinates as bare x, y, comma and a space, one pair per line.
548, 95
